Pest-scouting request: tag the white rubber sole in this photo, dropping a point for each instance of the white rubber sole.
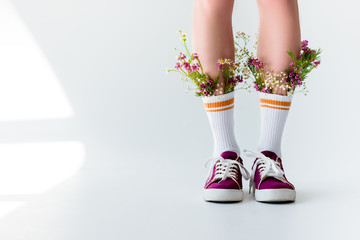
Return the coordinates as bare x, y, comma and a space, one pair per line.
275, 195
223, 195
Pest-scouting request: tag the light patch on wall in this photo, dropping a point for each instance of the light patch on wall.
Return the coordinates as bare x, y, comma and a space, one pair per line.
32, 168
29, 89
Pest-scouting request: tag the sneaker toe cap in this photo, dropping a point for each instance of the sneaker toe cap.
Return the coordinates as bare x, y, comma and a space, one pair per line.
273, 183
225, 184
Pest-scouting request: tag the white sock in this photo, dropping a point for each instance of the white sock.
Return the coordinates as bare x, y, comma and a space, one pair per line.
220, 112
274, 111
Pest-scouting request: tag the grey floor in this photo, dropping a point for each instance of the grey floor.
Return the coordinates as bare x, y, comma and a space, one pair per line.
163, 202
96, 142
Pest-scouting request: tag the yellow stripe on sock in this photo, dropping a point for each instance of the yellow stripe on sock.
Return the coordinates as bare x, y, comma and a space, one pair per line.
263, 105
274, 102
219, 104
219, 110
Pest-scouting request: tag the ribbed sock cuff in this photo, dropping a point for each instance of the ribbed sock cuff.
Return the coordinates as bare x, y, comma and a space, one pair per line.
219, 103
218, 98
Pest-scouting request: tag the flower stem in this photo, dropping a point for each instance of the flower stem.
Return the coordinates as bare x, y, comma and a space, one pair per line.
202, 71
187, 50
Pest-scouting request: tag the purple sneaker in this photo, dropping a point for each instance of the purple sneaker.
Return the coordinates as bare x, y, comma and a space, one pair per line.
224, 182
268, 179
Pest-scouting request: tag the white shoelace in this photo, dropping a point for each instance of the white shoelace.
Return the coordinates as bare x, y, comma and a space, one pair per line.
226, 168
267, 168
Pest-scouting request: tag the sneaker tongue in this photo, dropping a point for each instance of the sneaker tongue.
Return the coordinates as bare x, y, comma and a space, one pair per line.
270, 154
229, 155
273, 156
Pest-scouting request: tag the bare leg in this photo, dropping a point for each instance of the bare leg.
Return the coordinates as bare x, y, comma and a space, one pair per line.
212, 35
279, 32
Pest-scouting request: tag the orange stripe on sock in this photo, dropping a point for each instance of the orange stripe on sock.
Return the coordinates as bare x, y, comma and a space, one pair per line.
222, 109
274, 107
219, 104
274, 102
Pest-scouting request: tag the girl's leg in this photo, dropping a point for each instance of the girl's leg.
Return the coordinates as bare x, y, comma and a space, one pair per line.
213, 39
279, 33
212, 35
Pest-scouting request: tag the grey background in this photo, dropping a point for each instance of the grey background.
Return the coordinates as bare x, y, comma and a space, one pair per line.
145, 140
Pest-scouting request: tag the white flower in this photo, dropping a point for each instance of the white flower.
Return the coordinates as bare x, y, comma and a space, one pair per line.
221, 61
228, 60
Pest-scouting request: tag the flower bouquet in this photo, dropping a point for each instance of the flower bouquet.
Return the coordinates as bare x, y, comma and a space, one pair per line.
189, 66
285, 82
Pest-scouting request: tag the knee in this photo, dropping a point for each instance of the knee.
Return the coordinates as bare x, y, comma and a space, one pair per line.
217, 6
275, 3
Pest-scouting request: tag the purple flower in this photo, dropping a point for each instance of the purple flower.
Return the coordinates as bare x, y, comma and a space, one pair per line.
181, 56
177, 66
304, 45
256, 62
316, 63
194, 67
187, 66
239, 78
